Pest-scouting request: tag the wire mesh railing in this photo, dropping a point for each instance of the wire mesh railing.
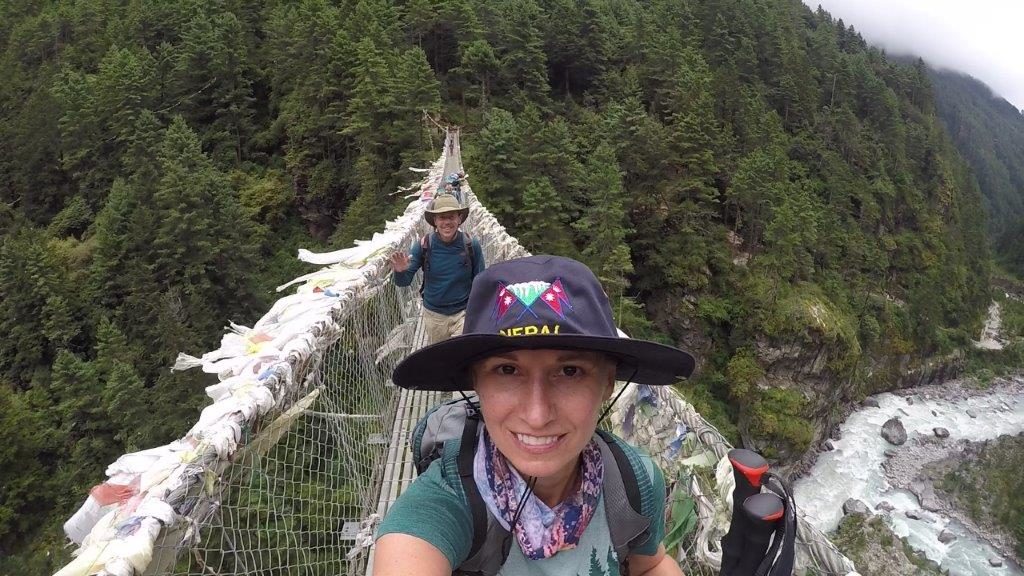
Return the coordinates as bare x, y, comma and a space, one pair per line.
305, 445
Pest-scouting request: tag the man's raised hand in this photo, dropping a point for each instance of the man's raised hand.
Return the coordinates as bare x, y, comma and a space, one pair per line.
400, 261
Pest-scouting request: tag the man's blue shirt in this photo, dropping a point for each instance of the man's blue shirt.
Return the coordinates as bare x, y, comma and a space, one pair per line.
446, 289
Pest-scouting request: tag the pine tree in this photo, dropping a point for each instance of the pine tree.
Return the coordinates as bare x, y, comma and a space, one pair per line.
100, 112
479, 64
595, 564
540, 225
24, 476
612, 560
36, 316
213, 83
498, 162
604, 226
416, 91
200, 245
792, 235
521, 52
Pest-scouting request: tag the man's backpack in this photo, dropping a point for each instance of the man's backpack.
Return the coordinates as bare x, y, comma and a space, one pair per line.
461, 419
426, 243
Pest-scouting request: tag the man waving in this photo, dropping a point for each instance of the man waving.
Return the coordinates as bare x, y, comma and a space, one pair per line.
450, 260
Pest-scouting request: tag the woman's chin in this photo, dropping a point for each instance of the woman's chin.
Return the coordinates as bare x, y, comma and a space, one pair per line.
529, 469
529, 465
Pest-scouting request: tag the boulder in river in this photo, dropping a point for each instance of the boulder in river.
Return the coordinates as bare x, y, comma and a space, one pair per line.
910, 400
889, 453
946, 537
995, 562
870, 402
925, 493
940, 432
854, 506
972, 413
894, 432
829, 446
884, 506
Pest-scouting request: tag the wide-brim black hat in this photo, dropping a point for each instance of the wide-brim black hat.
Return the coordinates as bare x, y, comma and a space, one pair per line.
539, 302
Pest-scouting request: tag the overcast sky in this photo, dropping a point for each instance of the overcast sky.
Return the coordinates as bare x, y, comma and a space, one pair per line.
984, 38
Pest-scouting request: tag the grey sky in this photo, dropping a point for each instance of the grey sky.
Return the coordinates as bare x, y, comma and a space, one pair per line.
984, 38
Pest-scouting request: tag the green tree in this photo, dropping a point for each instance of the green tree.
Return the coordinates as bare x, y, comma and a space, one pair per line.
100, 112
541, 229
212, 81
521, 52
480, 65
604, 225
37, 314
24, 476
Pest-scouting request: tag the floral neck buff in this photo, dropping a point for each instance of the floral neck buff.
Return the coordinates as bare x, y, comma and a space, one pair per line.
541, 531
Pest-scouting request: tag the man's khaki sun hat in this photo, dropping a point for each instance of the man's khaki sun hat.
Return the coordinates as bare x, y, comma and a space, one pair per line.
444, 203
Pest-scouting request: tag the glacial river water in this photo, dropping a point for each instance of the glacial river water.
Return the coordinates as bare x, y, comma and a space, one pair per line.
853, 470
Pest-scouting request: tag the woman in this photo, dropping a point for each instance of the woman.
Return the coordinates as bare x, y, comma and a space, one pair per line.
542, 353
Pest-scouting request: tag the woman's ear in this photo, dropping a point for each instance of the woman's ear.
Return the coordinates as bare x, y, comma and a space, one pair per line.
610, 388
608, 391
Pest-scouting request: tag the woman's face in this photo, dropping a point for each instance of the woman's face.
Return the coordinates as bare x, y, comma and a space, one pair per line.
541, 406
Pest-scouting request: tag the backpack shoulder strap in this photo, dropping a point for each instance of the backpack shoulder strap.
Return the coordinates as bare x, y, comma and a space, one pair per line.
623, 500
477, 508
425, 243
470, 254
491, 542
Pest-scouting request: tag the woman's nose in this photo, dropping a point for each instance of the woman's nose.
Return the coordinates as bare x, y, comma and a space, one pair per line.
537, 405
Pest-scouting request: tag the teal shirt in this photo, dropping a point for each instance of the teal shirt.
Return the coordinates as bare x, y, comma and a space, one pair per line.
435, 509
446, 286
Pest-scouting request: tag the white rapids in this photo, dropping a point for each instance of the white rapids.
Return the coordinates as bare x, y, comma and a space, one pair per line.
853, 470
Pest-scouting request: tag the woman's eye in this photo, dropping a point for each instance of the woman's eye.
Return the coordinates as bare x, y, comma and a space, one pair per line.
506, 369
571, 370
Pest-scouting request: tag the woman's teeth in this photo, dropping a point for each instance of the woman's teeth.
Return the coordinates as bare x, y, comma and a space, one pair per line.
536, 440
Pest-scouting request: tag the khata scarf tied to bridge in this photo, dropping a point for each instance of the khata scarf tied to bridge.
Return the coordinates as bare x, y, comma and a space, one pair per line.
541, 531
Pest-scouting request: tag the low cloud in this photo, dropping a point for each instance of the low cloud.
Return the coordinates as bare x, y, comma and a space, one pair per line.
982, 38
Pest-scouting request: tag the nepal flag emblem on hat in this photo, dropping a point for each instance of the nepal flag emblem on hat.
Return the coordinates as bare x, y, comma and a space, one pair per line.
524, 295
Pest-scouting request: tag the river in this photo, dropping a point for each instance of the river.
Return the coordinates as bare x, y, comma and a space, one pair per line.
854, 470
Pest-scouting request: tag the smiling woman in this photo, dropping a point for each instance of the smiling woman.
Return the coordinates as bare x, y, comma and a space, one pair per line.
533, 490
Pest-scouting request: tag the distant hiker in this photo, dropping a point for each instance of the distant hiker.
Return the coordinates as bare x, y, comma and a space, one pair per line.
450, 259
453, 185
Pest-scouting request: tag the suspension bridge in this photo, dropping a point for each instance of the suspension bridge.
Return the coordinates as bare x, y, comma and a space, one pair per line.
305, 444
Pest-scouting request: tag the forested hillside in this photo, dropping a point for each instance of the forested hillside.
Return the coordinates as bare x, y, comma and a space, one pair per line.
989, 133
748, 178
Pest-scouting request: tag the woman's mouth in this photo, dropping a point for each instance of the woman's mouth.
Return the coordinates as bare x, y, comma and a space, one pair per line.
532, 443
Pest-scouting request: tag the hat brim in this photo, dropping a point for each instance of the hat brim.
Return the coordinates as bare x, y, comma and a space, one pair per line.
429, 216
444, 366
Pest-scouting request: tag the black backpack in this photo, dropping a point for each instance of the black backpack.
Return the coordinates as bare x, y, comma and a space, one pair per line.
491, 542
426, 242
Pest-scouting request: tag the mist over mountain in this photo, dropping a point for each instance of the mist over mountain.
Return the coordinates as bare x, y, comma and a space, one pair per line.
989, 133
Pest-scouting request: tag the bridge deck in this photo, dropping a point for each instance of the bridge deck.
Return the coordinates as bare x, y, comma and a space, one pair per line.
400, 470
